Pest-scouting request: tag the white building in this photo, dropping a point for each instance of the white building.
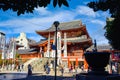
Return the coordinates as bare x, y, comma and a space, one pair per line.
22, 40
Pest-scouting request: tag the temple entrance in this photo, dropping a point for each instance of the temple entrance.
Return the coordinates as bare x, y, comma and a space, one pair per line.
73, 64
65, 64
80, 64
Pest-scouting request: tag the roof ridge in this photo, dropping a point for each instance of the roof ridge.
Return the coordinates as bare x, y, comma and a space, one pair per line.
71, 21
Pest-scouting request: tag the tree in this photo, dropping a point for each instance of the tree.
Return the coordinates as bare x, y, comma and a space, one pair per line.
112, 27
27, 6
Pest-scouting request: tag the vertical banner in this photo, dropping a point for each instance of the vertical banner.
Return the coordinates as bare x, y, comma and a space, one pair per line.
59, 44
53, 47
48, 47
8, 54
3, 52
12, 48
2, 45
65, 45
59, 47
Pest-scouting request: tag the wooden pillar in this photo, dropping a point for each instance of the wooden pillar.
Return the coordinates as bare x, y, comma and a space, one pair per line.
76, 62
112, 55
38, 55
68, 62
85, 65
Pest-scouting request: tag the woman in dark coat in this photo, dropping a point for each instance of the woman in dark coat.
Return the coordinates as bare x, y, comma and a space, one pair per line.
29, 69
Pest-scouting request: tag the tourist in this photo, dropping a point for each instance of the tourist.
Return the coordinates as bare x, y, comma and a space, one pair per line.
19, 68
76, 68
114, 70
13, 67
71, 68
89, 68
22, 66
62, 70
48, 70
29, 69
82, 67
44, 67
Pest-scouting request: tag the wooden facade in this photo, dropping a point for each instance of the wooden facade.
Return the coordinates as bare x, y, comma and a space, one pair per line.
77, 39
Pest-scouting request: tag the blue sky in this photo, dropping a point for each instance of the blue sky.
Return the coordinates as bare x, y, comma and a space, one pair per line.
42, 18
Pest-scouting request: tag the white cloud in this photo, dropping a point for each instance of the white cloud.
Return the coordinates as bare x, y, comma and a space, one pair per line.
42, 11
29, 25
35, 37
99, 22
84, 10
44, 18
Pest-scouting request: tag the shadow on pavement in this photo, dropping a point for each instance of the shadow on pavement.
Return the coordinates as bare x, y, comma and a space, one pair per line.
45, 77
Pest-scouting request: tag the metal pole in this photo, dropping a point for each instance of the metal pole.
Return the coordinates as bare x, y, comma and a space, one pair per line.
56, 23
56, 54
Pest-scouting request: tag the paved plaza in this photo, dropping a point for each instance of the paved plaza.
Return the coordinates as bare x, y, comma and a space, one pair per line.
35, 76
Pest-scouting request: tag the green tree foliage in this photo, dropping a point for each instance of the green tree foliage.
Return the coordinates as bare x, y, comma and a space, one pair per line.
112, 27
27, 6
8, 61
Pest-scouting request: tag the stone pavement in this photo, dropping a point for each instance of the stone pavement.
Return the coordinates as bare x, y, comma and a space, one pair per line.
8, 75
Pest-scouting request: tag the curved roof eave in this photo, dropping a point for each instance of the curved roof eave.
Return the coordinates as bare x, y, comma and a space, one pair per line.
63, 26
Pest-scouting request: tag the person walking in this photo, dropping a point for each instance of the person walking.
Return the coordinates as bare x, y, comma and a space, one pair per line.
19, 68
71, 69
22, 67
48, 70
62, 70
29, 69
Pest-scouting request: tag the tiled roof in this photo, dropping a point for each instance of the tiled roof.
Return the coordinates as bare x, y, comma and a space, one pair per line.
100, 47
104, 47
39, 42
74, 41
64, 26
25, 51
31, 40
78, 40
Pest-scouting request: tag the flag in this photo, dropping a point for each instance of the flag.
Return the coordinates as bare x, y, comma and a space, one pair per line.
53, 47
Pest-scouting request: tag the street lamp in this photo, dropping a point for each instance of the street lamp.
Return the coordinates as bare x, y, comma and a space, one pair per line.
56, 24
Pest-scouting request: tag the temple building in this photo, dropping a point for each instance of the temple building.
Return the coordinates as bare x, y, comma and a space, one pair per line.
72, 40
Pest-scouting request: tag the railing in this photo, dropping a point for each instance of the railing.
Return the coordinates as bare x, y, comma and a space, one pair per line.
31, 61
37, 64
